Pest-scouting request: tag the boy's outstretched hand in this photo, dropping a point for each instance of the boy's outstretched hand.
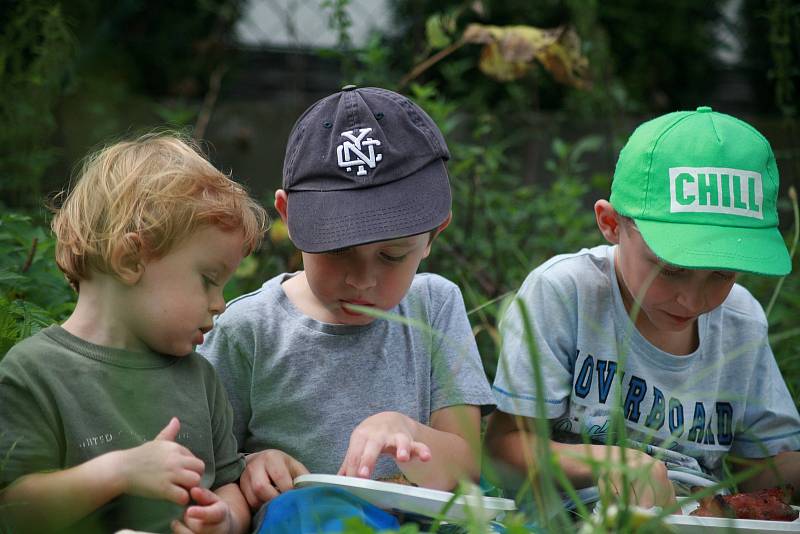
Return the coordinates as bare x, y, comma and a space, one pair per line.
161, 469
383, 433
268, 474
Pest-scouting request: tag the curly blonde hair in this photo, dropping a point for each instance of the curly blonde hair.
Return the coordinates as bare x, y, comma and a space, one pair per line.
160, 187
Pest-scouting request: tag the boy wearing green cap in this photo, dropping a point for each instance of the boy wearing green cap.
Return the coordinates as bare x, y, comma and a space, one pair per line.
654, 325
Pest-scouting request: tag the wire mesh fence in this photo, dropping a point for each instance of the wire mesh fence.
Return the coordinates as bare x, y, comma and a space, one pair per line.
306, 24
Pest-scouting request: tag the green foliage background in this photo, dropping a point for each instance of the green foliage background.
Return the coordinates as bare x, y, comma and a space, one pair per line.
102, 62
116, 63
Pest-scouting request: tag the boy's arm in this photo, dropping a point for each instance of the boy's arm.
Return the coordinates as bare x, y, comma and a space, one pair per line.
509, 439
778, 470
772, 424
512, 440
159, 469
453, 438
50, 501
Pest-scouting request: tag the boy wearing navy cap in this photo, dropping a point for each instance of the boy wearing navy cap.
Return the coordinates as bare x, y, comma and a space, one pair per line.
317, 382
655, 325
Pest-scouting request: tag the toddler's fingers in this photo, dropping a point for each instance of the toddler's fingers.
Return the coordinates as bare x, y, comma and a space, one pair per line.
208, 515
176, 494
193, 463
203, 496
186, 478
169, 432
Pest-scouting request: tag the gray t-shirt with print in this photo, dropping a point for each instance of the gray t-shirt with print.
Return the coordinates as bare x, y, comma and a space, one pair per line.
726, 396
302, 386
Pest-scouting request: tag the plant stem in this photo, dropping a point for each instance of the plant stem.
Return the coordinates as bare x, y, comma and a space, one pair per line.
792, 250
31, 253
431, 61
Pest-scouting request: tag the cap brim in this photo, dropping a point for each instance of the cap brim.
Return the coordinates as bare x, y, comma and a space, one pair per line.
327, 220
753, 250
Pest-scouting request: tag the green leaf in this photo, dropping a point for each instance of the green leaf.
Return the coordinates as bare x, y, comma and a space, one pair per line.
435, 32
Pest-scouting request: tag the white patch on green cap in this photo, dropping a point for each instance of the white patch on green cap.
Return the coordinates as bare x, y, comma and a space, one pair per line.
716, 190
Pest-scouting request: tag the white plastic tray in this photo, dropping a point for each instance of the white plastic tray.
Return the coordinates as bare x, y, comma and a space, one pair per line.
689, 524
411, 499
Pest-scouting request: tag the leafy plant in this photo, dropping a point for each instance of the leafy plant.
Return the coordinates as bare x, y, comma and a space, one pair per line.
33, 292
35, 48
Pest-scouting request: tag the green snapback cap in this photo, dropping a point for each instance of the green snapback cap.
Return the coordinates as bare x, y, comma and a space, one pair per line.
702, 187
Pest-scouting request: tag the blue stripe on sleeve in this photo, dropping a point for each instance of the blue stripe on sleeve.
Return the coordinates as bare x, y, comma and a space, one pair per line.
524, 397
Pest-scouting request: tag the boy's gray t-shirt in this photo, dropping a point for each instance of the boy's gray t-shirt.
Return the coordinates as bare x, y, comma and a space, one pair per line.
302, 386
728, 395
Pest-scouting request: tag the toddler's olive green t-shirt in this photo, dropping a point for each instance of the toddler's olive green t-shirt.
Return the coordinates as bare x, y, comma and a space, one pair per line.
64, 401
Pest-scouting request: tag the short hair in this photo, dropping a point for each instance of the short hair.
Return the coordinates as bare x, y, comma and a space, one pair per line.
159, 186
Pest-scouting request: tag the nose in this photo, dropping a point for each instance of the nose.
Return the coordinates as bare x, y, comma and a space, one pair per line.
691, 297
360, 276
217, 304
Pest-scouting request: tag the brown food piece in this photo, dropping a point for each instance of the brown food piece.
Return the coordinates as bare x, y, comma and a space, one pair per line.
766, 505
714, 506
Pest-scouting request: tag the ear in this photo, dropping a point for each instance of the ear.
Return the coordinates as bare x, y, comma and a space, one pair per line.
439, 230
126, 259
282, 205
608, 221
444, 224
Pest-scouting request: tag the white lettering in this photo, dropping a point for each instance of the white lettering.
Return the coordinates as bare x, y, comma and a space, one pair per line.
716, 190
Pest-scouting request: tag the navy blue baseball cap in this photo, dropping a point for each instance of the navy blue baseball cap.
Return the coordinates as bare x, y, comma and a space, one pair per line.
364, 165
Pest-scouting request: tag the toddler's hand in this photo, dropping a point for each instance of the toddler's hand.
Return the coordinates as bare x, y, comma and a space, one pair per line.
209, 516
383, 433
267, 474
646, 478
161, 468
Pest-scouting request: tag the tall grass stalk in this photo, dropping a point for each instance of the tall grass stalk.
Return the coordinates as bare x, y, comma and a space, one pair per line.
792, 249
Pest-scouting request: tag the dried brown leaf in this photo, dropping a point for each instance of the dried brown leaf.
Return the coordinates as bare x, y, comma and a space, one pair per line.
509, 51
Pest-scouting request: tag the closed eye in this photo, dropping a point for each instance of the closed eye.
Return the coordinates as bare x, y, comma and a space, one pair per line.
393, 259
671, 272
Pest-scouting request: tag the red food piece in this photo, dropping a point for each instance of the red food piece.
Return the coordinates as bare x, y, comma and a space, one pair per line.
770, 505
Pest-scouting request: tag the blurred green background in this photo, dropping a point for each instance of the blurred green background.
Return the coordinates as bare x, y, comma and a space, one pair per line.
534, 124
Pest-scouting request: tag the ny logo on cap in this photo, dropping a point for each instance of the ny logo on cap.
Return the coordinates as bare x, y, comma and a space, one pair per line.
351, 153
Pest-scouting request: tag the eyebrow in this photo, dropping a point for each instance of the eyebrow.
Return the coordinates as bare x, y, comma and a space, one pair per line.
403, 243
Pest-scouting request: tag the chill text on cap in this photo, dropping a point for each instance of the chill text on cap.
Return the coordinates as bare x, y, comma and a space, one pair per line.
716, 190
